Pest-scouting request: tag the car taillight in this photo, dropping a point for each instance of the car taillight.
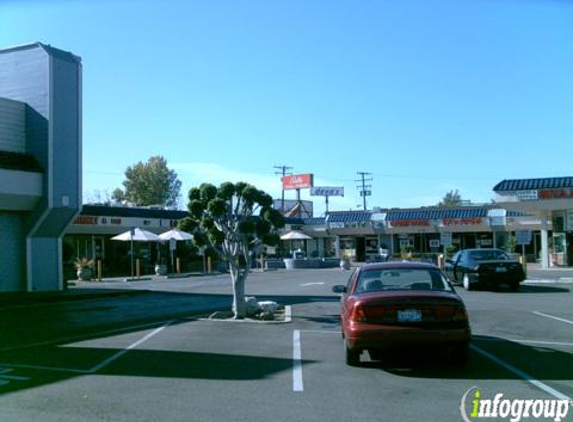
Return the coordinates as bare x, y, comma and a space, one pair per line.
358, 314
460, 314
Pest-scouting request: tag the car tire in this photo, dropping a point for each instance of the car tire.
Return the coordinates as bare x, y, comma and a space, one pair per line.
514, 287
466, 282
352, 357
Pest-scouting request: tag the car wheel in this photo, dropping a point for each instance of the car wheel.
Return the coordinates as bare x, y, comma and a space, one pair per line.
514, 287
352, 356
466, 282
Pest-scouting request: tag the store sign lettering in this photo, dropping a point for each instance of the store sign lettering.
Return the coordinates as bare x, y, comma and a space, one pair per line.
86, 220
462, 221
555, 193
408, 223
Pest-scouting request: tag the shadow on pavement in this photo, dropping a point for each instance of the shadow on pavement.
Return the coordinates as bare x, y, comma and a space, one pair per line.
57, 364
543, 363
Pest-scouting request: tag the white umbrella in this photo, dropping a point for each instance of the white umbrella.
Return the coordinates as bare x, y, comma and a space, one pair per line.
295, 235
136, 235
175, 234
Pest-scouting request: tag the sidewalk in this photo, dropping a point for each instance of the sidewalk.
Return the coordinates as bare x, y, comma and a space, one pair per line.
536, 274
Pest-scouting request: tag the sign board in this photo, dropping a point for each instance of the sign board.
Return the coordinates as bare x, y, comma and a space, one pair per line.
523, 237
326, 191
434, 243
172, 244
446, 239
298, 181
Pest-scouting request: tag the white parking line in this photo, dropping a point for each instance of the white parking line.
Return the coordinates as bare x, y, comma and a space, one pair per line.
553, 317
297, 385
288, 313
70, 339
128, 348
313, 284
522, 374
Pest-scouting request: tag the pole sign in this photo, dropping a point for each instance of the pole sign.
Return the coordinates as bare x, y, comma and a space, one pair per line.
446, 239
172, 244
326, 191
298, 181
523, 237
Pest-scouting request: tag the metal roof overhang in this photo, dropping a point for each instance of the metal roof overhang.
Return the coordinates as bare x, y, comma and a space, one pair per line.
19, 190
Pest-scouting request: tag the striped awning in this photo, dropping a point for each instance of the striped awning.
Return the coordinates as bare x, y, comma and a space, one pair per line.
533, 184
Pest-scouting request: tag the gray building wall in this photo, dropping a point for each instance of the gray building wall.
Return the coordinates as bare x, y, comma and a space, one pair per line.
11, 247
12, 126
48, 80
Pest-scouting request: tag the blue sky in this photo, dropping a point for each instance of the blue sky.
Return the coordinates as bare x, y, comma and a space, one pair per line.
428, 96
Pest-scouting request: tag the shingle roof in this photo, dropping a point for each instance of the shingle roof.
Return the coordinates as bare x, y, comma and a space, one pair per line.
436, 214
349, 216
532, 184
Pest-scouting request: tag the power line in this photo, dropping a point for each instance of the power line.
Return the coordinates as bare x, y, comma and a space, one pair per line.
365, 190
283, 172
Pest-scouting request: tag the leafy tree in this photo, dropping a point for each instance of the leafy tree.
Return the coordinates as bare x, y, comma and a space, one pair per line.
451, 199
235, 220
151, 183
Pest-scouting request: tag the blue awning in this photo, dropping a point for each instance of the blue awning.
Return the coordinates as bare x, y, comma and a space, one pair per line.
436, 214
349, 217
533, 184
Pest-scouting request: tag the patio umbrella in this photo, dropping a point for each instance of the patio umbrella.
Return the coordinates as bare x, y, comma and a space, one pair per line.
136, 235
295, 235
175, 234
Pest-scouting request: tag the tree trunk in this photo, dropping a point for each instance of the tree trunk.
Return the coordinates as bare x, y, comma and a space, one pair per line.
238, 278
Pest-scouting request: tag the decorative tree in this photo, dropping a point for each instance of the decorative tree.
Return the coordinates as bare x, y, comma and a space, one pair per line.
151, 183
235, 220
451, 199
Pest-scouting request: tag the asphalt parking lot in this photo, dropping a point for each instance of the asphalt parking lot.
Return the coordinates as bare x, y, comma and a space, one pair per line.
145, 355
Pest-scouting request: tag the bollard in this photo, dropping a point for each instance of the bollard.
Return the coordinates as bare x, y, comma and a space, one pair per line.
441, 261
209, 265
178, 264
137, 268
99, 270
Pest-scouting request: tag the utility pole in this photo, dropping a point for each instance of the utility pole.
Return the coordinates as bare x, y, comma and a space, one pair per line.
283, 172
365, 190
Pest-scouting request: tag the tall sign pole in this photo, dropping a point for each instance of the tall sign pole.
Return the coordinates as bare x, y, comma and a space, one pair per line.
365, 190
283, 172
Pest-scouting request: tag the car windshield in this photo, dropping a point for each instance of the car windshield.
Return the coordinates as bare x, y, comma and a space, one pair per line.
488, 255
401, 279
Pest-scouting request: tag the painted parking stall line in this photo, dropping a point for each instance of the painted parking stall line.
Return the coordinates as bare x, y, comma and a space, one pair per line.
523, 375
553, 317
5, 379
297, 384
119, 354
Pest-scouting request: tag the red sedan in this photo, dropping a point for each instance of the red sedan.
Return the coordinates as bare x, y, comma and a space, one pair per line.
401, 305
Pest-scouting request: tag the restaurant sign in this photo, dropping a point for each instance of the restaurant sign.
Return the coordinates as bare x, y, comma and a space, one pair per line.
462, 221
541, 194
298, 181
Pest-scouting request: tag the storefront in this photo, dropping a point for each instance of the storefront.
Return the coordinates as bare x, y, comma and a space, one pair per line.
551, 201
89, 236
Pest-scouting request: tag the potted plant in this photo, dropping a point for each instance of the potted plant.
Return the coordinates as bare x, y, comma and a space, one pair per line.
84, 268
161, 268
345, 262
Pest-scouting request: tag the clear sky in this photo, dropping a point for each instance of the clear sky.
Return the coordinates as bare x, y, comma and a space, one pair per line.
428, 96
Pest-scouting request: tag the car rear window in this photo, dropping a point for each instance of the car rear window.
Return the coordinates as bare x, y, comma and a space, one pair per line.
401, 279
488, 255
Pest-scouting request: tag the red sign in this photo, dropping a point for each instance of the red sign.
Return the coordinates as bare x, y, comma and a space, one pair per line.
555, 193
408, 223
298, 181
462, 221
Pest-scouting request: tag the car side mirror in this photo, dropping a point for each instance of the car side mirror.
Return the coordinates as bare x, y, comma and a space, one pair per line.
339, 288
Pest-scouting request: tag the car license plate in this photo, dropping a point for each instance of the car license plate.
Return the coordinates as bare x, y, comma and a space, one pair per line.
409, 315
501, 269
